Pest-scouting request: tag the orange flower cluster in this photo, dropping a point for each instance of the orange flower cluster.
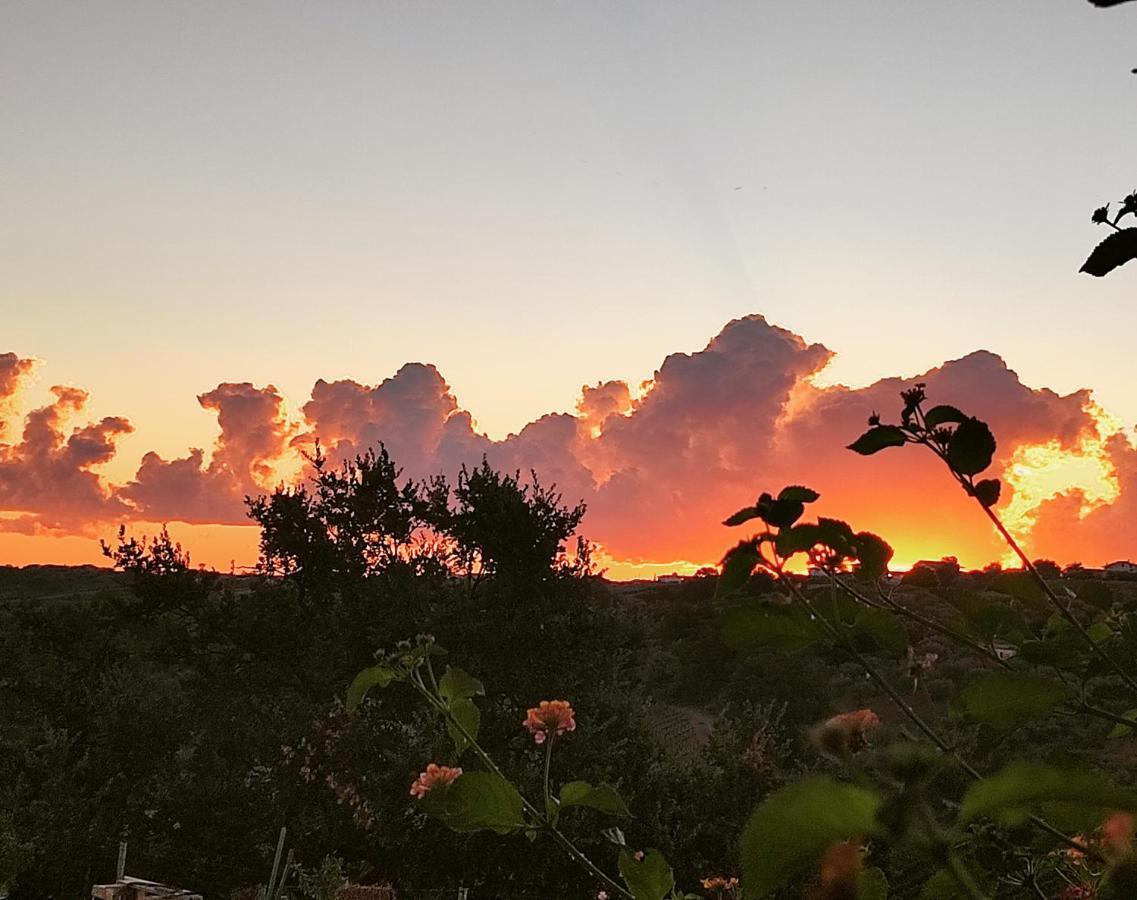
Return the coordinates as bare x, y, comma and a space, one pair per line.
550, 718
722, 887
847, 732
434, 776
1117, 834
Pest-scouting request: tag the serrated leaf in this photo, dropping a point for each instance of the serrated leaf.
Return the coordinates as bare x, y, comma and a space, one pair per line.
737, 565
649, 878
477, 801
971, 448
1022, 786
602, 797
374, 676
943, 415
874, 554
786, 628
1063, 650
987, 491
791, 829
796, 493
878, 438
457, 685
1116, 250
743, 515
1006, 699
782, 513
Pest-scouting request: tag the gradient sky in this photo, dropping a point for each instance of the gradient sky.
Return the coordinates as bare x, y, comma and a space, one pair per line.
536, 195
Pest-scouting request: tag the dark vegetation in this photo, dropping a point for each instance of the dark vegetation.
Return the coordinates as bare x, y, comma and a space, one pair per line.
193, 714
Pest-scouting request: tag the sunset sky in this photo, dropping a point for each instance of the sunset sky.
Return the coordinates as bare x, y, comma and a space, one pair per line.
793, 205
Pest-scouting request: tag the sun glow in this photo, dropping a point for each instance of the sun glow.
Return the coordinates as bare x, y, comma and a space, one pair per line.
1040, 472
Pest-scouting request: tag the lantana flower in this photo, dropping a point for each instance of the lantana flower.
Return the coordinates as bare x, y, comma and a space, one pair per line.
846, 732
550, 717
1117, 834
434, 776
720, 885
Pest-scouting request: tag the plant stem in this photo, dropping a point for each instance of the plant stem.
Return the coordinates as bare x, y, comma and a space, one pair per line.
1063, 608
548, 764
915, 717
566, 844
927, 622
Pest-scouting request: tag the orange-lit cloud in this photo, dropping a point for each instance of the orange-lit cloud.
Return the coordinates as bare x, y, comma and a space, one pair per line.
658, 465
252, 451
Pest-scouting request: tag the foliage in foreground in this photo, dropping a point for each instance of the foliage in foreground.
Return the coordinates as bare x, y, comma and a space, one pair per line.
983, 827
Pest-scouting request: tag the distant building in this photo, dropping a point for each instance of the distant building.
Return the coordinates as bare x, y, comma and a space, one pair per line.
673, 578
1121, 567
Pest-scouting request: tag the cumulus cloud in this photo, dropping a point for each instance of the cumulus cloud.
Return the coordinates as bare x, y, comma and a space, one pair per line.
255, 439
660, 465
14, 371
46, 477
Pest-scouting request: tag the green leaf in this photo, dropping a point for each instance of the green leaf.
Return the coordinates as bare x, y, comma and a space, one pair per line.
1015, 790
990, 620
943, 415
883, 630
878, 438
1006, 699
797, 539
1120, 730
737, 565
786, 628
872, 885
649, 878
457, 685
1062, 649
470, 718
971, 448
791, 829
601, 797
375, 676
1022, 586
1116, 250
743, 515
795, 493
941, 886
780, 513
874, 554
477, 801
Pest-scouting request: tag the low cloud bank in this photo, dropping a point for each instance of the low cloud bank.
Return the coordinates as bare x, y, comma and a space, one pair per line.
659, 465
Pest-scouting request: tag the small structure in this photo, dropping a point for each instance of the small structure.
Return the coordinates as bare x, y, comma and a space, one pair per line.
673, 578
128, 888
1121, 567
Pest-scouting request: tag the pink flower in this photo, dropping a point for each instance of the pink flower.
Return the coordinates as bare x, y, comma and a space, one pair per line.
434, 776
550, 717
1117, 833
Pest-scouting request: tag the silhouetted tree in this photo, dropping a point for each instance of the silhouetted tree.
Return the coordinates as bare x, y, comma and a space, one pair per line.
497, 525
